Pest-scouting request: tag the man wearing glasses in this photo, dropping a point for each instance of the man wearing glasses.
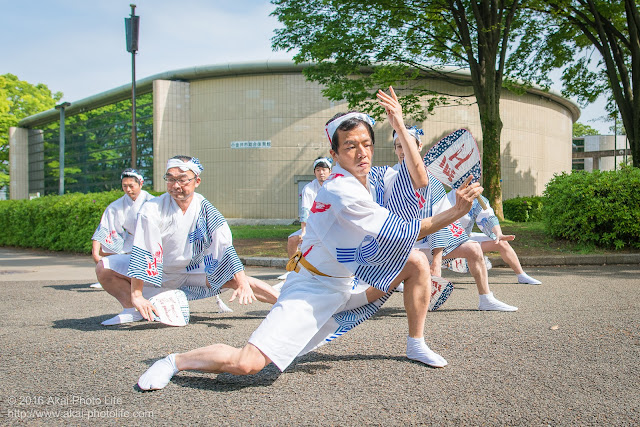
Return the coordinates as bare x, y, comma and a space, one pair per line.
180, 242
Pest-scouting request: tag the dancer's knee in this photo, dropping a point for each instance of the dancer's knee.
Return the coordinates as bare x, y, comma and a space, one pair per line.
250, 361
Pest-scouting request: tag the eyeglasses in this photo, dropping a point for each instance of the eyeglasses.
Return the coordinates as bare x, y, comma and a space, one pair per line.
181, 182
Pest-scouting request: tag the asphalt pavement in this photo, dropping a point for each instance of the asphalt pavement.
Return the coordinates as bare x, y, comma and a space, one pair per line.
569, 355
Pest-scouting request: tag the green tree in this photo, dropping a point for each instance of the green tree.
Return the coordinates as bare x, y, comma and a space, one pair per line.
359, 46
596, 43
19, 99
580, 129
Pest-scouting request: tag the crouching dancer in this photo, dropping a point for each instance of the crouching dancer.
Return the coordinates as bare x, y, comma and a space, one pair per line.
114, 234
180, 242
348, 234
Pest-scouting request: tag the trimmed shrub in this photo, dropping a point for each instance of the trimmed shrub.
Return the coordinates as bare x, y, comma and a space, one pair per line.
600, 207
56, 223
523, 209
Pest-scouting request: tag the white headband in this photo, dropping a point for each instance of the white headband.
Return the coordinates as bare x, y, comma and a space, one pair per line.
192, 165
413, 131
132, 174
331, 127
322, 160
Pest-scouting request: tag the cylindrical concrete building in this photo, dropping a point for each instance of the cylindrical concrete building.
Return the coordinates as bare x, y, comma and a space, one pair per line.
257, 127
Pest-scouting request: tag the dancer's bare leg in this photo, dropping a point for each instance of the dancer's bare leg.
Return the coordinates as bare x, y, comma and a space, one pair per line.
215, 358
506, 253
115, 284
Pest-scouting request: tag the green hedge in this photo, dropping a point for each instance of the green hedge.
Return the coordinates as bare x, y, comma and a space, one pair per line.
57, 223
600, 207
523, 209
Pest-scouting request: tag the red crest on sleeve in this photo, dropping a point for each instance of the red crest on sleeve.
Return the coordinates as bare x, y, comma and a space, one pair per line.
320, 207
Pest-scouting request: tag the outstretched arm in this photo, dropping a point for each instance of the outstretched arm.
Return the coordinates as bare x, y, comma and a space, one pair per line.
412, 158
464, 200
241, 288
497, 230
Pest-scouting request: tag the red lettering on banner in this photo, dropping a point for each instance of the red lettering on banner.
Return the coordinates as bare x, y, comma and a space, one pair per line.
461, 160
436, 287
446, 169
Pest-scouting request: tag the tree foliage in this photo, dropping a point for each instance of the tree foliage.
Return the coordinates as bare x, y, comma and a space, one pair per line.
596, 43
19, 99
362, 45
580, 129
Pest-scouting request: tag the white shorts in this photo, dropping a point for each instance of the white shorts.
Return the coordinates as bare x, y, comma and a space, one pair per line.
305, 304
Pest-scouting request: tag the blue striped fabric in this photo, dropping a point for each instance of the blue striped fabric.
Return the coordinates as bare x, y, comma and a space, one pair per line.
117, 242
376, 179
194, 293
229, 265
141, 266
395, 240
349, 319
405, 201
209, 220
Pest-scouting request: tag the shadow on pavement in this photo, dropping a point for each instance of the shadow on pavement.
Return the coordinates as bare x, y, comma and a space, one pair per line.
82, 287
228, 382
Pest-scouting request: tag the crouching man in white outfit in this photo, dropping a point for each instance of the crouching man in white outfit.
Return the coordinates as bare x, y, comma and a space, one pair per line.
181, 241
114, 234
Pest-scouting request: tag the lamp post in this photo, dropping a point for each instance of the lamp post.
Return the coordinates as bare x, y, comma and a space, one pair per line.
61, 107
615, 140
132, 27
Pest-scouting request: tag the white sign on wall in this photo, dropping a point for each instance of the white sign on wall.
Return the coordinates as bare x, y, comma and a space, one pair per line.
250, 144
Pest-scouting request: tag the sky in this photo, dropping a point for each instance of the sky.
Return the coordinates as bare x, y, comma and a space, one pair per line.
78, 47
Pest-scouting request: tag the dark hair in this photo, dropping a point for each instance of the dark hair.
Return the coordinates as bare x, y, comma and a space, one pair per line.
323, 164
182, 157
129, 173
346, 126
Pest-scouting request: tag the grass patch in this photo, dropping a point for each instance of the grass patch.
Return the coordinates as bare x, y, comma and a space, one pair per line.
262, 231
262, 240
531, 240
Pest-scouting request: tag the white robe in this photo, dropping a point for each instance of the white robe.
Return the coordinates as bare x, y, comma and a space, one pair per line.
349, 234
117, 225
172, 249
307, 197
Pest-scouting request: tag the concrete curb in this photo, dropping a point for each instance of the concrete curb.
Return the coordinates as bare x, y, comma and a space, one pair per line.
496, 261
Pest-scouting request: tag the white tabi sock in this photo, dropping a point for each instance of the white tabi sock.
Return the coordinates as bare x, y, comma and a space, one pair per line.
489, 303
418, 350
127, 315
525, 279
356, 300
159, 374
222, 307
